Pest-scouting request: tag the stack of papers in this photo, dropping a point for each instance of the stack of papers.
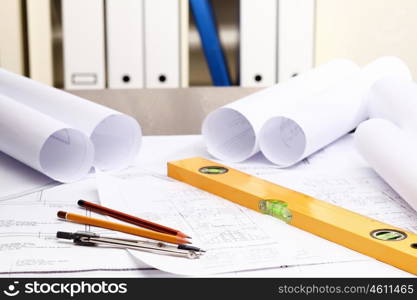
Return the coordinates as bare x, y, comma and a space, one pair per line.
239, 242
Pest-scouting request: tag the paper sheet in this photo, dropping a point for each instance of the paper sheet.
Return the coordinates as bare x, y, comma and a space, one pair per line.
392, 153
234, 237
365, 268
37, 253
336, 174
18, 179
180, 147
320, 119
116, 137
43, 143
231, 132
358, 189
395, 99
28, 247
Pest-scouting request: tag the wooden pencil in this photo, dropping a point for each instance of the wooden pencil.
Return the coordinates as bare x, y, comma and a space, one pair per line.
130, 219
122, 228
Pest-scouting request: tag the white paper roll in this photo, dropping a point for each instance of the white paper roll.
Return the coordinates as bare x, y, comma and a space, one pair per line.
231, 132
391, 152
116, 136
43, 143
395, 99
320, 119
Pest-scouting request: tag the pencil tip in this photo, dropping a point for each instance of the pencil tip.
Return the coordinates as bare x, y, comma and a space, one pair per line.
62, 214
183, 235
81, 202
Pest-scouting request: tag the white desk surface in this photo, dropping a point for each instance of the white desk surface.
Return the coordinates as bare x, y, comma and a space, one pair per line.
27, 260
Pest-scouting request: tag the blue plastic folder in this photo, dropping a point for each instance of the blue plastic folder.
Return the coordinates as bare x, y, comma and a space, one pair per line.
206, 25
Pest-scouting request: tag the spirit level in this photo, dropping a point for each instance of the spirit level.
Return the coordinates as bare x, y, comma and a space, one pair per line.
368, 236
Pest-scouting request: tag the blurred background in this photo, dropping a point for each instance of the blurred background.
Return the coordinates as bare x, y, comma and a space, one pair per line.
122, 44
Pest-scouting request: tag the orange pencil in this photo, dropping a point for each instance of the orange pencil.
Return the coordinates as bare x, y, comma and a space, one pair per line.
122, 228
130, 219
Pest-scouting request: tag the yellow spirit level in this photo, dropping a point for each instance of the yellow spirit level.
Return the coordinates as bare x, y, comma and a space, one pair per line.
365, 235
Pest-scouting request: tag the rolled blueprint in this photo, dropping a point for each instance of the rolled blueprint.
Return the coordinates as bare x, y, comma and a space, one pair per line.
318, 120
391, 152
231, 132
43, 143
395, 99
116, 136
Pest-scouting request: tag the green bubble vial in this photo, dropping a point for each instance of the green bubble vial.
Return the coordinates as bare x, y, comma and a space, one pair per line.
276, 208
213, 170
388, 235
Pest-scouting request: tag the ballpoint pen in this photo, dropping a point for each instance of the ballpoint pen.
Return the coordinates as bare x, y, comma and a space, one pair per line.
91, 239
